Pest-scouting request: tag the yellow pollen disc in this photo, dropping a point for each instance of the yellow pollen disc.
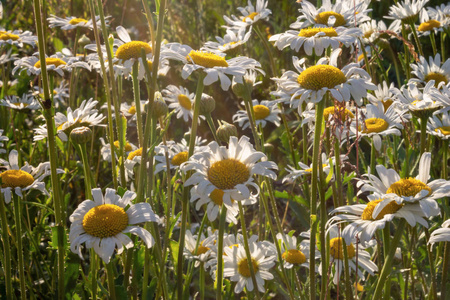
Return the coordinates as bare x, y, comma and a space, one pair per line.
4, 36
261, 112
408, 187
244, 267
343, 114
206, 59
226, 174
391, 208
250, 16
387, 103
445, 130
76, 21
132, 110
105, 220
16, 178
127, 148
76, 124
184, 101
321, 76
51, 61
201, 249
375, 125
309, 32
217, 196
135, 153
437, 77
368, 33
132, 50
322, 18
150, 64
229, 44
294, 256
430, 25
179, 158
360, 57
310, 169
337, 250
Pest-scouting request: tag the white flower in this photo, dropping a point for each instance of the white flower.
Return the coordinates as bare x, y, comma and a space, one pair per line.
201, 253
384, 95
68, 23
440, 13
441, 234
230, 43
293, 254
412, 98
181, 100
105, 151
27, 101
371, 30
17, 38
101, 223
60, 94
405, 11
250, 14
230, 170
133, 158
306, 170
439, 127
129, 110
264, 111
2, 139
432, 70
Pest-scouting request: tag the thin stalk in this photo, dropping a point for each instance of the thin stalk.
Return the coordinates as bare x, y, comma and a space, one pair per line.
18, 220
219, 273
433, 290
6, 249
433, 43
268, 49
87, 171
323, 221
348, 286
212, 127
423, 134
386, 247
445, 263
111, 284
202, 281
247, 250
443, 36
289, 135
373, 158
388, 261
313, 203
416, 38
93, 274
137, 101
251, 114
396, 66
407, 54
337, 154
49, 118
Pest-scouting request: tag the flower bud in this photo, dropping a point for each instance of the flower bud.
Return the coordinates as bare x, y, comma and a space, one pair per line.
83, 41
81, 135
225, 131
207, 104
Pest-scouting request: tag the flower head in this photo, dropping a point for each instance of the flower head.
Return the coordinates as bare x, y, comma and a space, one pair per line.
17, 38
27, 101
68, 23
264, 111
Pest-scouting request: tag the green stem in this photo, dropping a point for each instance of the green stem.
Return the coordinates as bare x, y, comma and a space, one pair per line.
219, 272
137, 101
289, 135
268, 49
18, 220
416, 38
202, 281
433, 43
433, 290
388, 261
348, 286
323, 221
337, 154
445, 267
386, 247
396, 66
212, 127
423, 134
93, 274
373, 158
6, 249
111, 284
443, 36
87, 171
406, 49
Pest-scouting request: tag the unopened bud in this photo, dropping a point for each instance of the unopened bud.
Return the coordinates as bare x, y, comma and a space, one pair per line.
84, 40
159, 108
240, 89
207, 104
225, 131
81, 135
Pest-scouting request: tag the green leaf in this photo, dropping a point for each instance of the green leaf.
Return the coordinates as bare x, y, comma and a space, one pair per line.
58, 44
71, 272
174, 250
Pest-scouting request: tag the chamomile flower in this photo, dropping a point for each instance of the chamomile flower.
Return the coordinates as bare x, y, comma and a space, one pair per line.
428, 26
101, 223
230, 170
230, 43
236, 267
405, 11
439, 126
440, 13
133, 158
371, 30
57, 63
250, 14
306, 170
17, 38
264, 111
18, 180
317, 38
407, 190
311, 84
181, 100
105, 151
441, 234
68, 23
2, 139
343, 114
384, 95
27, 101
201, 253
416, 101
60, 94
293, 254
431, 70
214, 65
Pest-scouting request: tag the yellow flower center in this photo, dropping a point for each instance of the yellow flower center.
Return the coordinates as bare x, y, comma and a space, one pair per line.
150, 64
337, 249
375, 125
128, 147
229, 44
132, 50
391, 208
429, 25
76, 21
294, 256
51, 61
76, 124
226, 174
180, 158
310, 169
343, 114
19, 103
309, 32
445, 130
437, 77
261, 111
368, 33
244, 267
408, 187
321, 76
4, 36
16, 178
387, 103
132, 110
135, 153
250, 16
206, 59
217, 196
184, 101
201, 249
322, 18
105, 220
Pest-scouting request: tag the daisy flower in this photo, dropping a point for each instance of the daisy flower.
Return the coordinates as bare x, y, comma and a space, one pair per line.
133, 158
428, 26
362, 260
17, 38
311, 84
181, 100
318, 38
101, 223
439, 127
441, 234
230, 170
215, 66
57, 63
431, 70
201, 253
7, 57
405, 11
306, 170
129, 110
330, 114
19, 180
384, 95
230, 43
250, 14
60, 94
27, 101
264, 111
68, 23
105, 151
371, 30
441, 13
407, 190
416, 101
2, 139
293, 254
237, 268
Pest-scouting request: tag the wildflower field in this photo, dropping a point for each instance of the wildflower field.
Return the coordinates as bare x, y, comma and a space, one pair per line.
229, 149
